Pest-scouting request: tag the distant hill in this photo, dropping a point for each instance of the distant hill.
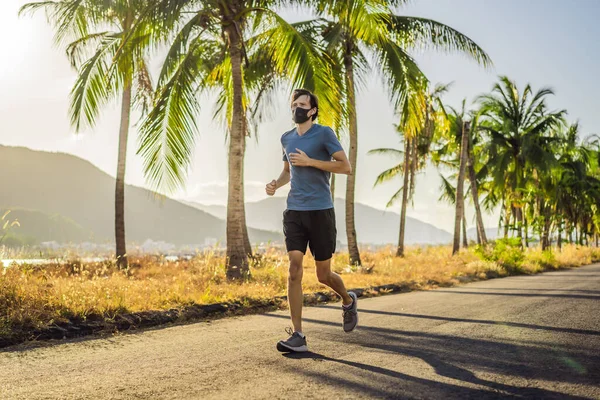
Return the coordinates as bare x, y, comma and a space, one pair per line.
67, 188
36, 227
373, 226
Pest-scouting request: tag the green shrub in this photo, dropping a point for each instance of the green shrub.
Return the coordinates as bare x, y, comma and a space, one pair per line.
506, 252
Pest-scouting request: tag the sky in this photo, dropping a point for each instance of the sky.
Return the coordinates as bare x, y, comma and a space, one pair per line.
541, 42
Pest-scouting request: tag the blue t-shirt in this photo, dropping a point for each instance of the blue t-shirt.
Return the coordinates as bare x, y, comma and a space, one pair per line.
310, 188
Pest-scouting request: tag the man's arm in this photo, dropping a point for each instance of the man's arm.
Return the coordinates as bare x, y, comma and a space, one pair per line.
341, 165
284, 179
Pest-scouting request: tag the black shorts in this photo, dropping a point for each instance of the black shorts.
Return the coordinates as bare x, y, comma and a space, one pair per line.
315, 228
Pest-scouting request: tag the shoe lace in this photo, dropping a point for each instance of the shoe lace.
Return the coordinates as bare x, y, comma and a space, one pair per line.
347, 315
289, 330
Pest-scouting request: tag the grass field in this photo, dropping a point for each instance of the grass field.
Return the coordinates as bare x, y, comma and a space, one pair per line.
36, 296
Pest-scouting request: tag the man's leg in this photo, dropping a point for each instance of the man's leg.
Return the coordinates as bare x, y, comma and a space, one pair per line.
295, 298
349, 299
333, 280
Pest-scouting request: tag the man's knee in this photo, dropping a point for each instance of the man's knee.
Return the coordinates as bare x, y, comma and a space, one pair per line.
295, 272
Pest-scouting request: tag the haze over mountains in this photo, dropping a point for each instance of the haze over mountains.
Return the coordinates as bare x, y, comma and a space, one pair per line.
67, 188
60, 197
373, 226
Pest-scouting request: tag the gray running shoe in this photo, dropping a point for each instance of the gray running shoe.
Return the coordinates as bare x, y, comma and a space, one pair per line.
294, 344
350, 315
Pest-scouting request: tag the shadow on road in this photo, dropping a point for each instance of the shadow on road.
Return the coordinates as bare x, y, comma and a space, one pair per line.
536, 290
455, 357
477, 321
415, 386
564, 296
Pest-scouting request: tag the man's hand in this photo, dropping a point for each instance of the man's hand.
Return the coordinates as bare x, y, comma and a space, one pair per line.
300, 159
271, 187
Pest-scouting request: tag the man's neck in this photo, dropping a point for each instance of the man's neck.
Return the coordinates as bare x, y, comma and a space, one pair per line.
304, 127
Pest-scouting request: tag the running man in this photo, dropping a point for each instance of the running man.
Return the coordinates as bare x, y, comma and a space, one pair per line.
311, 153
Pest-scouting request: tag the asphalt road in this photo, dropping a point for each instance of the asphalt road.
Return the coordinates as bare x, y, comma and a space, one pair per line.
525, 337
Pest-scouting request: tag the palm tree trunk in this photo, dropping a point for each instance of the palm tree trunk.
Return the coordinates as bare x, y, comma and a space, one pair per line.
460, 202
405, 189
506, 220
464, 229
526, 231
351, 182
546, 232
519, 223
121, 252
237, 260
244, 225
569, 232
481, 236
559, 240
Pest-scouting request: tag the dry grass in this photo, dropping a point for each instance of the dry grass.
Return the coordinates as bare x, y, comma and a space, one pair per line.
32, 297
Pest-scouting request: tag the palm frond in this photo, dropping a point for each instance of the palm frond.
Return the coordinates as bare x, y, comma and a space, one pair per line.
395, 197
168, 133
70, 18
448, 190
298, 56
389, 174
91, 89
416, 32
390, 152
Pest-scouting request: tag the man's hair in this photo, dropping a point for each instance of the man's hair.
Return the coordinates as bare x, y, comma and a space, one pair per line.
314, 101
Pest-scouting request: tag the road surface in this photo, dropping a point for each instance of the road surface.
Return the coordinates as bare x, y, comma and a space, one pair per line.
527, 337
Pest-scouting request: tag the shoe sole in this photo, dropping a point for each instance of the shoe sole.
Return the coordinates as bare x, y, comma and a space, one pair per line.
353, 328
287, 349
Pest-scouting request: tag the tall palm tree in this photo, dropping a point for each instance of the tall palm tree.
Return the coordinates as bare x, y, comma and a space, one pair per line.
460, 198
404, 167
108, 65
473, 159
428, 111
578, 185
446, 153
448, 194
242, 50
518, 126
364, 36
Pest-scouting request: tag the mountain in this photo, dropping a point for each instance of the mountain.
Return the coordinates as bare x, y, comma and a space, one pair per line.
373, 226
35, 227
72, 189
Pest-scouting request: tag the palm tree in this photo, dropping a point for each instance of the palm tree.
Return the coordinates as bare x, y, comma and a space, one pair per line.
447, 153
108, 65
448, 191
577, 185
428, 109
365, 35
243, 50
518, 126
473, 159
404, 167
460, 198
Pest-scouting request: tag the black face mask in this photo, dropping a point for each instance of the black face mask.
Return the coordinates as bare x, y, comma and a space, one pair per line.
300, 115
